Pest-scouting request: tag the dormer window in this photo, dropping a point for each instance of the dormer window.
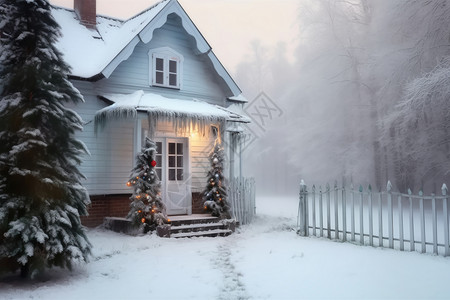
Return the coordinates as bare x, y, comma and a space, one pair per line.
166, 67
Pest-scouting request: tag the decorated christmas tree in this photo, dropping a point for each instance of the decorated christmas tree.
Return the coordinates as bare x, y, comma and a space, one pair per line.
215, 195
41, 195
146, 208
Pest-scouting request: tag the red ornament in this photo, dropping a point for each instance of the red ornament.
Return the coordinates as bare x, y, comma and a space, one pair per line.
153, 163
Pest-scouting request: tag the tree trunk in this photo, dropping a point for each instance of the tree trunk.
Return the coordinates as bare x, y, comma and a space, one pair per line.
25, 271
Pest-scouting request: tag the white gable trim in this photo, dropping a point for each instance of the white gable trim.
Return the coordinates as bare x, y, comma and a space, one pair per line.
224, 74
146, 34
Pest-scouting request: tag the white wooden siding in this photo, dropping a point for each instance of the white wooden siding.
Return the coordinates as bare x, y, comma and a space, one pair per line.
200, 165
109, 165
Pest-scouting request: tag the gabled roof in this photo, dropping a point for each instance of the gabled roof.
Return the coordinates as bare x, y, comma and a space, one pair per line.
93, 53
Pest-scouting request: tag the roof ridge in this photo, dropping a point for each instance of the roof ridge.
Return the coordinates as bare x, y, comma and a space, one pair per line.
97, 15
146, 10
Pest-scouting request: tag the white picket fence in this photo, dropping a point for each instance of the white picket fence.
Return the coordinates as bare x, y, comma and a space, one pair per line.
241, 197
381, 219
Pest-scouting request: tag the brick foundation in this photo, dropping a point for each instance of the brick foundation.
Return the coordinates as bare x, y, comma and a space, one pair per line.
106, 206
119, 205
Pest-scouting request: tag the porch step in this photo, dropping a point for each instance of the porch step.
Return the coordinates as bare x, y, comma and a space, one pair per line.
207, 233
199, 226
192, 219
195, 227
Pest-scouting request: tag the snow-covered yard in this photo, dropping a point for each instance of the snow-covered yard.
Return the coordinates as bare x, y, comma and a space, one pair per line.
265, 260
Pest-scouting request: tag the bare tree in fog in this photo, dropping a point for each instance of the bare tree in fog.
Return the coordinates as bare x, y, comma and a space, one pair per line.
334, 133
414, 132
366, 99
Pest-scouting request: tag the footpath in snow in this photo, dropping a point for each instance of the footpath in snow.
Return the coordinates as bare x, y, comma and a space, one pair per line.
265, 260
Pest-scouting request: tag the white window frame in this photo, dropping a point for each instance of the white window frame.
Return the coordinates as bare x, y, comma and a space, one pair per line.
166, 54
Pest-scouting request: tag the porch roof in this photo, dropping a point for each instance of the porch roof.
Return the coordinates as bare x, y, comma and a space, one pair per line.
129, 105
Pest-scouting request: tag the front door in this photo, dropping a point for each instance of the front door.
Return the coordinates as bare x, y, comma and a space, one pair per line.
173, 170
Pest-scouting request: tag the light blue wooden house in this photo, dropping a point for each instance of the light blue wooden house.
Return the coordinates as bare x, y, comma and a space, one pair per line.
152, 75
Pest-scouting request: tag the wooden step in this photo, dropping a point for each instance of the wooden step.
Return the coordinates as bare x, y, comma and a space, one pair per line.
200, 225
193, 219
207, 233
196, 227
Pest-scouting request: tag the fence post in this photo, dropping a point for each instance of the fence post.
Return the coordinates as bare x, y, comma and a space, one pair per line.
313, 210
411, 222
352, 234
434, 218
422, 222
344, 213
390, 215
370, 217
400, 221
336, 211
301, 221
445, 209
328, 191
320, 212
361, 215
380, 219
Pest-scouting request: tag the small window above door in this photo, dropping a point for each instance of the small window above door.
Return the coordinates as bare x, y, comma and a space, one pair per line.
166, 68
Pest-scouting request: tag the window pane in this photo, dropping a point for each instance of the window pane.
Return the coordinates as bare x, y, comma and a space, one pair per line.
171, 174
179, 161
179, 148
159, 78
171, 148
159, 64
172, 162
173, 79
172, 66
159, 147
179, 174
158, 161
158, 172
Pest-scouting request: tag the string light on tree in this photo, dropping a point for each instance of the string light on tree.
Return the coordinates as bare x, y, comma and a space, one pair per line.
146, 208
214, 196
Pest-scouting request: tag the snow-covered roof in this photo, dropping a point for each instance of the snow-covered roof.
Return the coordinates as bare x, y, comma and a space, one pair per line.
89, 52
93, 53
153, 104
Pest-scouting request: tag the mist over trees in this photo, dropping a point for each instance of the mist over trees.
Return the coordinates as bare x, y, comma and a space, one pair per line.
366, 100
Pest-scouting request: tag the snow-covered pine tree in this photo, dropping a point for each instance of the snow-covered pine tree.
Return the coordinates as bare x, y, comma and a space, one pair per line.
146, 207
41, 196
215, 195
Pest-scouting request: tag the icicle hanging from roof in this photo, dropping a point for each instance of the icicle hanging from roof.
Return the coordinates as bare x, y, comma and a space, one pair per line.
186, 116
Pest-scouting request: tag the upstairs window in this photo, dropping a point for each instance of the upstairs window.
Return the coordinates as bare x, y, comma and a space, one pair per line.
165, 68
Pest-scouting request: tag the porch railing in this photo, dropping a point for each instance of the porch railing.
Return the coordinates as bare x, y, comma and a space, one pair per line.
241, 197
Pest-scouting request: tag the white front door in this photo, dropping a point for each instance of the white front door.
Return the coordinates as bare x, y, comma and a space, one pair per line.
173, 170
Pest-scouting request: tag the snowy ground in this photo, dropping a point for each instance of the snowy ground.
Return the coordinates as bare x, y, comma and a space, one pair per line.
265, 260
